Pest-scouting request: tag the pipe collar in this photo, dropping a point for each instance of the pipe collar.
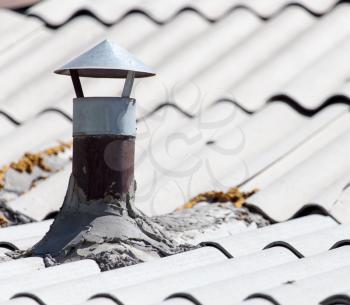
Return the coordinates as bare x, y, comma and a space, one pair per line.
104, 116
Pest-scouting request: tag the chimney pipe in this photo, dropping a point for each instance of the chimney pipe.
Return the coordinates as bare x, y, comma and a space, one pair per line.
104, 131
104, 128
98, 211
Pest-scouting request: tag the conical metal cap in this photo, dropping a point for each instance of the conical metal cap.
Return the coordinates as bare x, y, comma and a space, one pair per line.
106, 60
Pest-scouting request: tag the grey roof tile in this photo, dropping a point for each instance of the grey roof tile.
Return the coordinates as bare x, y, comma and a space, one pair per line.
182, 262
44, 199
233, 152
37, 96
80, 290
9, 19
21, 266
294, 148
38, 58
171, 39
175, 301
316, 133
340, 206
340, 298
170, 127
330, 71
252, 241
6, 125
150, 270
12, 234
315, 242
288, 63
144, 27
41, 132
48, 276
139, 274
260, 46
335, 197
23, 243
211, 45
24, 29
255, 302
256, 136
103, 301
61, 12
344, 91
3, 256
304, 59
155, 291
287, 195
311, 290
236, 289
22, 45
58, 14
21, 301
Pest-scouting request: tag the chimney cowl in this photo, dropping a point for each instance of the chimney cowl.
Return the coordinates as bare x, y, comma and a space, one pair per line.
106, 60
98, 211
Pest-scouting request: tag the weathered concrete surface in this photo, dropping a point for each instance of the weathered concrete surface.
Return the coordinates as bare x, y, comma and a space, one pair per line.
19, 177
115, 234
109, 230
207, 221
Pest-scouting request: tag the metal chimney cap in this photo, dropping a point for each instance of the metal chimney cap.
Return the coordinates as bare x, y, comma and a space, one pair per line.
106, 60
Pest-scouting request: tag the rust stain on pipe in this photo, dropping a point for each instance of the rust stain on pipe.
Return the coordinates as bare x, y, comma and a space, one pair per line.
104, 165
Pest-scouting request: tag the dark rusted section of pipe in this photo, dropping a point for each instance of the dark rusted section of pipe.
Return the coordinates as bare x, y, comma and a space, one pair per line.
104, 165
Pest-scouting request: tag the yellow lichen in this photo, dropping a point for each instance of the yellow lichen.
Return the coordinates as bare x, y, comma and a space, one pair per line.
234, 195
2, 175
3, 221
31, 160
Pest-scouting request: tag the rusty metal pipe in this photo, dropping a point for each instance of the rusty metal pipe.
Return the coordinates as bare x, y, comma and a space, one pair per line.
104, 131
104, 165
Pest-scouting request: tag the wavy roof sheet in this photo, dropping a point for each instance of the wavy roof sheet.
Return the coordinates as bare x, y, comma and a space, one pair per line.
254, 92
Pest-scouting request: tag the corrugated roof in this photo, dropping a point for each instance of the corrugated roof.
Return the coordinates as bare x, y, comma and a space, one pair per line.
56, 14
204, 275
250, 94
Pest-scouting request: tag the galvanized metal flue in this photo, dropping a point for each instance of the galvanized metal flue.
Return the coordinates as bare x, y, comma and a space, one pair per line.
98, 211
104, 128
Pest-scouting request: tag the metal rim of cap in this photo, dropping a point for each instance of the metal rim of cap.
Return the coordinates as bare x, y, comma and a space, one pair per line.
106, 60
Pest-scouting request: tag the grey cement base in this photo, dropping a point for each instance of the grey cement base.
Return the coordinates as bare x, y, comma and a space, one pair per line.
115, 234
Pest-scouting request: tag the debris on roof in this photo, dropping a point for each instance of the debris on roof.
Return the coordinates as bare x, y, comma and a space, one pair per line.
45, 162
217, 220
233, 195
9, 217
19, 177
